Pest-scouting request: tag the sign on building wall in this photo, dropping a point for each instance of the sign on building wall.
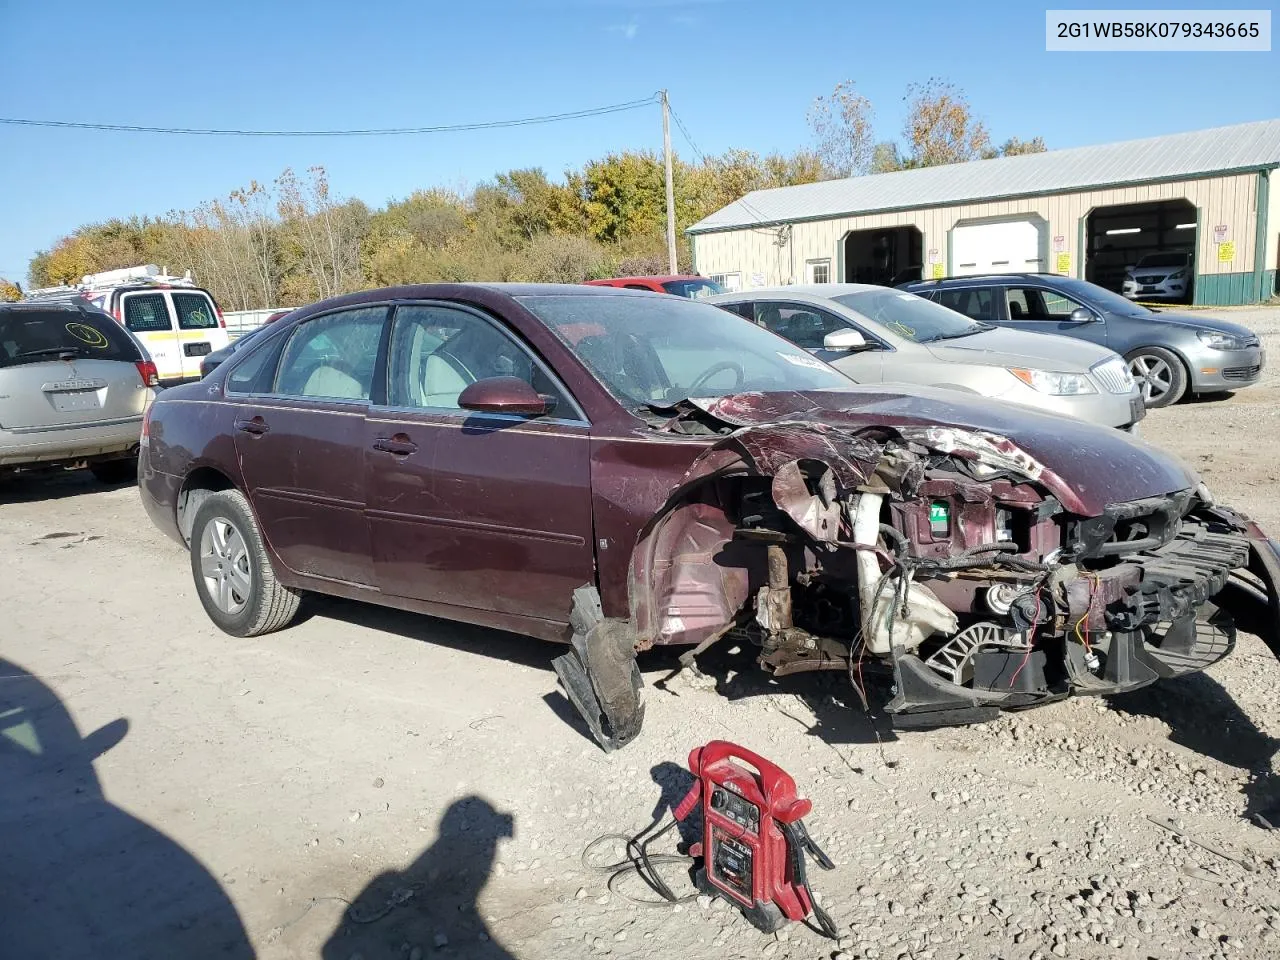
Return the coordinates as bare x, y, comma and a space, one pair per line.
757, 279
1222, 233
1059, 244
1226, 251
937, 271
1063, 266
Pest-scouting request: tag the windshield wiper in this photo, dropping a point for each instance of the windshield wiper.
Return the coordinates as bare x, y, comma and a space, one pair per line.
47, 351
981, 328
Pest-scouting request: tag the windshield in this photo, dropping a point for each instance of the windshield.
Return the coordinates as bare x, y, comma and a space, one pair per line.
656, 351
1100, 297
694, 289
38, 336
910, 317
1163, 260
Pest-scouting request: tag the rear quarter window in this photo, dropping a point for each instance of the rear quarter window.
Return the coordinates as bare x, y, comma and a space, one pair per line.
32, 336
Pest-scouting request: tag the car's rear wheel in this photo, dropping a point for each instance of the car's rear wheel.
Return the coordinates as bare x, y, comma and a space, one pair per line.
232, 571
115, 471
1160, 374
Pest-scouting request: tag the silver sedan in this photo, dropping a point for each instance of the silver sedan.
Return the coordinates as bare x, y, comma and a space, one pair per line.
876, 334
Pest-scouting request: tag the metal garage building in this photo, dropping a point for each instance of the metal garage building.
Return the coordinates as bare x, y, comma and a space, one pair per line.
1086, 212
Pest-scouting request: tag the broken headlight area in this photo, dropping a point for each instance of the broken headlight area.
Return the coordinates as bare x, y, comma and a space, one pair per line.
954, 558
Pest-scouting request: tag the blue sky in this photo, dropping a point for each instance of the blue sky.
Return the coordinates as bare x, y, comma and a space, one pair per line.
740, 74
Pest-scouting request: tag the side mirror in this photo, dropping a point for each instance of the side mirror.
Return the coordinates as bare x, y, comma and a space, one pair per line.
1083, 315
502, 395
847, 340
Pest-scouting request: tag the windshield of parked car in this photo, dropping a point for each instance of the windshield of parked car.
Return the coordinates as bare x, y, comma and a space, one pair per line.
910, 317
1100, 297
30, 335
693, 289
656, 351
1163, 260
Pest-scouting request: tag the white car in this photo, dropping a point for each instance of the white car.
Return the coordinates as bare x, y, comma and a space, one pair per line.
1159, 276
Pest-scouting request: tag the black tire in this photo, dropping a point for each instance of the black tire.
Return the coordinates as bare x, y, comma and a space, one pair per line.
250, 600
1163, 376
115, 471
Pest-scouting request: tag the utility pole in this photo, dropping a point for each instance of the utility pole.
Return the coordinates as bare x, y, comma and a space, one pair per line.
671, 190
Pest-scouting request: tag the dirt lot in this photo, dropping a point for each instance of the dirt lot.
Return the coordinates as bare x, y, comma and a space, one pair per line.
431, 775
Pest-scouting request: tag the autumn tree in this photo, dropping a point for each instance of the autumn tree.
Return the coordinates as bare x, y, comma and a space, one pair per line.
1016, 147
841, 125
940, 126
9, 292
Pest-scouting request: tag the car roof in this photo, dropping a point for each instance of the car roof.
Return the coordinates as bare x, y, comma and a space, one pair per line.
985, 278
663, 279
823, 291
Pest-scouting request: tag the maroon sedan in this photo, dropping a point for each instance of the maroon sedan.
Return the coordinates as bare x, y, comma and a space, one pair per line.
620, 469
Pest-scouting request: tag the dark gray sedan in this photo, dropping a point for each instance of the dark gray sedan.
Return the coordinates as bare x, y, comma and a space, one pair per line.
1170, 354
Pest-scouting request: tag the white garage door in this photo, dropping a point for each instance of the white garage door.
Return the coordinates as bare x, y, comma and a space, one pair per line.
1009, 246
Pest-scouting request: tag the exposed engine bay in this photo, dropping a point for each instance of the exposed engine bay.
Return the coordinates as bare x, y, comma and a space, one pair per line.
950, 556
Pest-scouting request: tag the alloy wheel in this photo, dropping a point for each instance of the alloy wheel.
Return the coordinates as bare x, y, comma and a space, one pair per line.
1154, 374
224, 565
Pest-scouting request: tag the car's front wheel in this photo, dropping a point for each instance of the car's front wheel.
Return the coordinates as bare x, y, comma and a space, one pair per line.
232, 571
1160, 374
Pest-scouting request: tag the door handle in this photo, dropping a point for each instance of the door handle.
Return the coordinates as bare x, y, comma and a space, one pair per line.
255, 426
399, 445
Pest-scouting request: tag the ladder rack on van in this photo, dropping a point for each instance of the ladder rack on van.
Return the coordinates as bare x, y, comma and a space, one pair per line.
148, 275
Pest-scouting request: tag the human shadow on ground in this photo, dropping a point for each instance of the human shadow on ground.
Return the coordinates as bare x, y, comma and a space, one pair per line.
80, 877
432, 904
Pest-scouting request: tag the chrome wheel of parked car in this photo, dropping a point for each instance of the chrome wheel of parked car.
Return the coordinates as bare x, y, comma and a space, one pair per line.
232, 570
1160, 374
224, 563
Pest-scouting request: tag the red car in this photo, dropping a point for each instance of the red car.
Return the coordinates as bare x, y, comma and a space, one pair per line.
622, 470
681, 286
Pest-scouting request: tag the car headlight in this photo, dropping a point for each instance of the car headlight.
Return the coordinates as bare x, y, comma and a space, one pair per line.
1055, 384
1220, 341
1205, 496
1178, 276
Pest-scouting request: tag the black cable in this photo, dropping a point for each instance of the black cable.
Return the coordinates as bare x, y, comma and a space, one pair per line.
370, 132
639, 861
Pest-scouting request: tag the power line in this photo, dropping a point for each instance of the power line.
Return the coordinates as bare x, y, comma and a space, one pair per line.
372, 132
771, 231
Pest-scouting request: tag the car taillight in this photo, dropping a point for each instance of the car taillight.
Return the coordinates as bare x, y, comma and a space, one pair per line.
146, 421
222, 321
147, 370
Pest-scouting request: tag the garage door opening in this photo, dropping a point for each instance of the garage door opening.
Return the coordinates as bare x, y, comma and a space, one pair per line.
999, 246
888, 256
1120, 237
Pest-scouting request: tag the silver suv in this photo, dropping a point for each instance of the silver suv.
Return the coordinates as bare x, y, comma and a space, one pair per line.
74, 386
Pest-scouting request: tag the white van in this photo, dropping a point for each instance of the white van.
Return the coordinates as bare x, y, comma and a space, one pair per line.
178, 322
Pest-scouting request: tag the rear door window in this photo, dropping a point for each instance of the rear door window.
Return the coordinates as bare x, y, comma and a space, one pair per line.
195, 311
34, 336
332, 357
146, 313
978, 303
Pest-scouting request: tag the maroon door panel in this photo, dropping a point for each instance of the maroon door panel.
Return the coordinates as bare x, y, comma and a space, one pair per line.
303, 464
488, 512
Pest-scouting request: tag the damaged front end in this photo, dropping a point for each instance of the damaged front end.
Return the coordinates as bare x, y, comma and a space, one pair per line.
951, 556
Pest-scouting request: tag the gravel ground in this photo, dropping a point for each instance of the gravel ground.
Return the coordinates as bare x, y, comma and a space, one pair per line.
371, 784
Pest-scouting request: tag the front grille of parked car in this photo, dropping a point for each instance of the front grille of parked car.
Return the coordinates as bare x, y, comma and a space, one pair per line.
1151, 281
1241, 373
1114, 375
